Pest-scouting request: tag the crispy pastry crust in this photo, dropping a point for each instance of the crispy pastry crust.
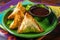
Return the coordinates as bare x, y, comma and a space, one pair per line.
17, 20
24, 25
18, 15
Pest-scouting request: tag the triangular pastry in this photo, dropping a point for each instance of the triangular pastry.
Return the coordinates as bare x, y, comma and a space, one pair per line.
17, 20
29, 25
19, 7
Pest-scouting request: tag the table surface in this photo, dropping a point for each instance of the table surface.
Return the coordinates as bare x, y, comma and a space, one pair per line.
54, 35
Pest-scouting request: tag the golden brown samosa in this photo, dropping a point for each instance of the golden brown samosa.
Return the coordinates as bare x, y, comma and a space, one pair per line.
18, 15
29, 25
17, 20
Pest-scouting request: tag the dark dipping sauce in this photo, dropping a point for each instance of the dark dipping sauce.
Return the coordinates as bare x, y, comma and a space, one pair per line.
39, 11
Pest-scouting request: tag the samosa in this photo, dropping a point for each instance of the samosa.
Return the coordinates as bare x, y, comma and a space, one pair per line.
29, 25
18, 15
17, 20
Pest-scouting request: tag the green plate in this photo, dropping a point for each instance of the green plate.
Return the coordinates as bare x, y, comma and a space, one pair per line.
48, 24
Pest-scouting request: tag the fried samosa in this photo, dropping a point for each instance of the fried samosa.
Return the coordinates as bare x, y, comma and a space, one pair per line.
19, 7
17, 20
29, 25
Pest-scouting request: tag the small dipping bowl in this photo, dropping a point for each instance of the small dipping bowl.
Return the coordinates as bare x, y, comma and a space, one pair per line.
40, 10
